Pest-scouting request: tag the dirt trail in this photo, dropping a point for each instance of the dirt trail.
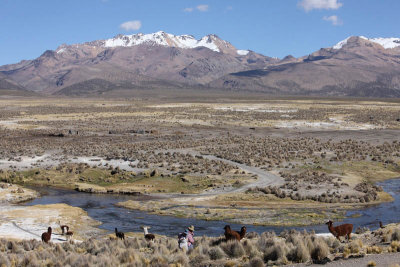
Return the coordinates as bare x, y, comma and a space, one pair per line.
264, 178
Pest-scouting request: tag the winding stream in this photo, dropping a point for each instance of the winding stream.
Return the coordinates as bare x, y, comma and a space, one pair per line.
102, 207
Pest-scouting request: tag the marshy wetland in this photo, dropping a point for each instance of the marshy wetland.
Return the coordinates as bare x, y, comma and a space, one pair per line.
269, 164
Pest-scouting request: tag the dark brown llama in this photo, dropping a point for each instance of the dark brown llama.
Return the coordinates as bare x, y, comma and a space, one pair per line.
231, 235
46, 236
340, 230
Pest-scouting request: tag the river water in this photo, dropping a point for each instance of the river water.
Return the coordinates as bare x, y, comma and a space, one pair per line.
102, 207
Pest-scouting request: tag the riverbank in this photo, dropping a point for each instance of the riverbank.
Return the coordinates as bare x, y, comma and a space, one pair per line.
29, 222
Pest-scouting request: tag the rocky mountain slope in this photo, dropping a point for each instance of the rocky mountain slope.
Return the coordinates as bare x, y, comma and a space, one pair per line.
133, 61
10, 88
357, 66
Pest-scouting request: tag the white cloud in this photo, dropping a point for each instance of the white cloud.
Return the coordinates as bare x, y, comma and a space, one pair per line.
188, 9
334, 19
309, 5
202, 8
132, 25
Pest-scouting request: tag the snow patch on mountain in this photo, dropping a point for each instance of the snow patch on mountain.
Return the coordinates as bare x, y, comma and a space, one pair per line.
242, 52
163, 39
387, 43
341, 43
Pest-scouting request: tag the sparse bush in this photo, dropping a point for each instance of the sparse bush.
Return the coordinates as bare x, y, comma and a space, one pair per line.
216, 253
319, 251
395, 235
299, 253
374, 250
277, 252
180, 258
233, 249
256, 262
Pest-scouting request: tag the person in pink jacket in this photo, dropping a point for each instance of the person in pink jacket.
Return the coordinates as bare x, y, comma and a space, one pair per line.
190, 236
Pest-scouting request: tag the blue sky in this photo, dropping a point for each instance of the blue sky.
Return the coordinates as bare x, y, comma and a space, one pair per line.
271, 27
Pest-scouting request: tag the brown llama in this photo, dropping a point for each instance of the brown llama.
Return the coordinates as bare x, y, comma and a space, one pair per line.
242, 232
64, 229
231, 235
340, 230
119, 235
46, 236
147, 236
69, 234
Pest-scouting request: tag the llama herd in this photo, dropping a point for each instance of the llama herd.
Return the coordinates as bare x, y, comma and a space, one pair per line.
337, 231
46, 236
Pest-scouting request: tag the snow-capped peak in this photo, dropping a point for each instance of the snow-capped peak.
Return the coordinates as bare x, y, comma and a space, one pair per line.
386, 43
164, 39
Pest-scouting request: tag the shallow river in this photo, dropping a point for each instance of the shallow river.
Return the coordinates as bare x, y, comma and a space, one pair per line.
101, 207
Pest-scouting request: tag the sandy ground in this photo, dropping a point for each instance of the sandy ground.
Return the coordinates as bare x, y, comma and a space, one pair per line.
29, 222
51, 159
334, 124
13, 194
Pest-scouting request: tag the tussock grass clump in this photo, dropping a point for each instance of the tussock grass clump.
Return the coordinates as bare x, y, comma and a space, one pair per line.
256, 262
319, 251
394, 246
216, 253
374, 250
299, 253
277, 252
395, 235
355, 246
233, 249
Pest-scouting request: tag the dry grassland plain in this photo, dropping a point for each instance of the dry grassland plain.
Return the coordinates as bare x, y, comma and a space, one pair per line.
267, 162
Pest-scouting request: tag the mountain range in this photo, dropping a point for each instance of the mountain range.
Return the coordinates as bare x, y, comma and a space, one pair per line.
357, 66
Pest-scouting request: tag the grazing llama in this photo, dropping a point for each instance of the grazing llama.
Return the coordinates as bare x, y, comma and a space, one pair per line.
341, 230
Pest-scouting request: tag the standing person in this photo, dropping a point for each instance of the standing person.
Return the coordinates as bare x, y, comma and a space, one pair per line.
190, 236
185, 239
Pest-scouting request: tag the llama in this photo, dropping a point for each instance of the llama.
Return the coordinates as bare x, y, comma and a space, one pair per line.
46, 236
69, 234
231, 235
341, 230
64, 228
120, 235
242, 232
147, 236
